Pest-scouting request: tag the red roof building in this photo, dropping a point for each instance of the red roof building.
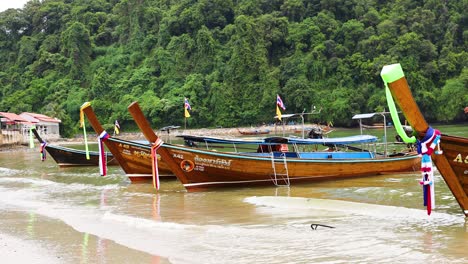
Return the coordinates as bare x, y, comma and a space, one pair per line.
47, 127
37, 118
11, 118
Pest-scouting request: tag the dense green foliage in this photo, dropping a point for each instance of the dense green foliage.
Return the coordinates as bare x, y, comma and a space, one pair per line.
230, 58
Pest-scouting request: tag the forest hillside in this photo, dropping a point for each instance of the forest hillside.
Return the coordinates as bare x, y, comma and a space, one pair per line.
230, 58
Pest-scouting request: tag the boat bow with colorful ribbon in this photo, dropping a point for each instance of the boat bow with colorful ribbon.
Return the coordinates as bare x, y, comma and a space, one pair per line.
425, 147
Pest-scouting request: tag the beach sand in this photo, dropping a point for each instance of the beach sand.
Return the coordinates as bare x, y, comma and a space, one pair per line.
15, 250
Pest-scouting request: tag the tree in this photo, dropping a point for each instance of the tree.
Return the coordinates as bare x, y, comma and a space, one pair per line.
453, 98
76, 46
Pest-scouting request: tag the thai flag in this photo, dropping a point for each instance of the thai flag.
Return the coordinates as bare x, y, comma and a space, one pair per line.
279, 102
187, 105
116, 127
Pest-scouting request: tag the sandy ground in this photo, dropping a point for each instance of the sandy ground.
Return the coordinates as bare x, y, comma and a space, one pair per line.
15, 250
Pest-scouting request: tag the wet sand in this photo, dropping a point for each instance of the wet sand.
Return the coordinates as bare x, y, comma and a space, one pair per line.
14, 250
34, 238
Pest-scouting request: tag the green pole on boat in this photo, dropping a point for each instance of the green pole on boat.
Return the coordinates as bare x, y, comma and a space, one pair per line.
82, 124
391, 73
31, 140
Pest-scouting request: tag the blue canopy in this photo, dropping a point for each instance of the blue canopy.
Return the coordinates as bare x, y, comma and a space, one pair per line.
223, 140
334, 141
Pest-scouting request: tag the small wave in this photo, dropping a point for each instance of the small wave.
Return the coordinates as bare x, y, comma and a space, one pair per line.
58, 186
142, 223
368, 189
393, 180
7, 171
38, 182
395, 213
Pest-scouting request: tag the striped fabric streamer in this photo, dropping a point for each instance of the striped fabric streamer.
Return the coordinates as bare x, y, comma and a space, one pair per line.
425, 148
154, 158
31, 139
427, 182
102, 155
82, 124
43, 151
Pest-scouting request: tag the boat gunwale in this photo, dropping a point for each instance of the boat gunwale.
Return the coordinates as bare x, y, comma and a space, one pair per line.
240, 155
289, 159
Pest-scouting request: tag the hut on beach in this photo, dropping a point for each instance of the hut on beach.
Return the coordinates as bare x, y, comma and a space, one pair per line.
15, 128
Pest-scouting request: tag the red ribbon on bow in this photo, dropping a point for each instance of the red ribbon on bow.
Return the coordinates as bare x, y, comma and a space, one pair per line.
43, 150
154, 158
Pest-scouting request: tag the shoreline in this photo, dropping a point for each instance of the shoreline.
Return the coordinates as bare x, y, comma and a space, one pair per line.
214, 132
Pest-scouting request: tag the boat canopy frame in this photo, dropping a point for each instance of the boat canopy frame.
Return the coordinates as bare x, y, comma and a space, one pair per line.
359, 117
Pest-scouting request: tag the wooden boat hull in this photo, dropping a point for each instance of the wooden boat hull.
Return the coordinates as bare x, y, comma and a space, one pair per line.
203, 169
209, 169
453, 166
137, 159
453, 162
253, 132
373, 126
133, 157
455, 149
69, 157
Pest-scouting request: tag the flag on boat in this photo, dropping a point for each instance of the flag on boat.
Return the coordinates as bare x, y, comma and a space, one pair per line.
279, 104
187, 107
116, 127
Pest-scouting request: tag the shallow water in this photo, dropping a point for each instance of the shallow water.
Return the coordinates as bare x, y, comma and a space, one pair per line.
75, 216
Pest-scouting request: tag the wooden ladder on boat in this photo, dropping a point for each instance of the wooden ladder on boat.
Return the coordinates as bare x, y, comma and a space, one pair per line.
280, 170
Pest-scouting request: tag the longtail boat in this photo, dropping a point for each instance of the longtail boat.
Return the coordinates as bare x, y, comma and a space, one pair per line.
201, 169
70, 157
452, 163
133, 157
374, 126
254, 131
